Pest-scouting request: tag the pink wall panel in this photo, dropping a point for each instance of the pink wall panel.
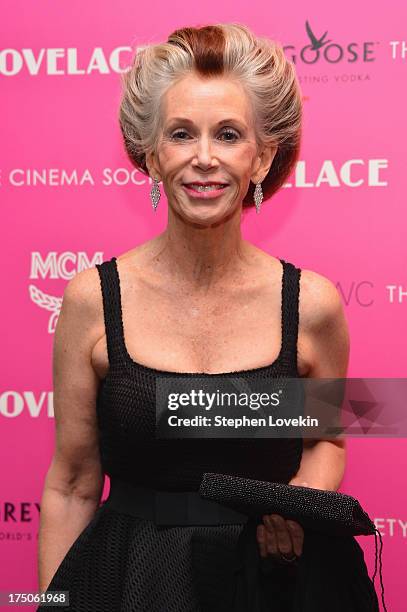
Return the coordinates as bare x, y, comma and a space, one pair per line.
342, 213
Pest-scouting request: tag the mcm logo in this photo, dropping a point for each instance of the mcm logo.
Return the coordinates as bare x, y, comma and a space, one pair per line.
55, 266
48, 302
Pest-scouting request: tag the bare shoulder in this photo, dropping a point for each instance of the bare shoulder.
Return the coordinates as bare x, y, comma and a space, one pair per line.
82, 305
84, 293
320, 301
323, 342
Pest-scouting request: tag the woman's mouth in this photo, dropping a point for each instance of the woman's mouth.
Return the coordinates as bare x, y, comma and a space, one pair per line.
205, 191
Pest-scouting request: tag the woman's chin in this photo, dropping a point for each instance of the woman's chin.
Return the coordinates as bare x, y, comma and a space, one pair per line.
207, 215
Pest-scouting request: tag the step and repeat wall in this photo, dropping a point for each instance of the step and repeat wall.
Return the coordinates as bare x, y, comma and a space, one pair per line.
70, 199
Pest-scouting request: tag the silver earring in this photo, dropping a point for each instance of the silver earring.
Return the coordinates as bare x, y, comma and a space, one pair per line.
155, 194
258, 196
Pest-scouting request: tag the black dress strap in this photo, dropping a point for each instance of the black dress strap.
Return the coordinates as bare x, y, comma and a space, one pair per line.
112, 312
290, 317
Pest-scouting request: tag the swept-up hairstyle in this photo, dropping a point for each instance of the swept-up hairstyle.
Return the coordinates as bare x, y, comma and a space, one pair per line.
226, 49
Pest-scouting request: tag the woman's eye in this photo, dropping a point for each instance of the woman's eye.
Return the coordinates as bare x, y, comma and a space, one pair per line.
175, 134
235, 135
231, 133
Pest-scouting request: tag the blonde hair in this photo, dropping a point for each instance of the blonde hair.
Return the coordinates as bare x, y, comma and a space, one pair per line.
229, 49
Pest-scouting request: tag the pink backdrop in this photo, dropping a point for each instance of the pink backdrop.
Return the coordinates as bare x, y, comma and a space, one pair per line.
342, 214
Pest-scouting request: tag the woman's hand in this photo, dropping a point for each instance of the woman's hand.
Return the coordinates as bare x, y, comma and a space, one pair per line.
278, 536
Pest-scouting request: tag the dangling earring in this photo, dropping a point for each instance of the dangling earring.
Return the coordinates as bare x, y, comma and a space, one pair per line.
258, 196
155, 194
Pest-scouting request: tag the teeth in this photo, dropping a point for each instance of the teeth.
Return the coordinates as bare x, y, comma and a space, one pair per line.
206, 187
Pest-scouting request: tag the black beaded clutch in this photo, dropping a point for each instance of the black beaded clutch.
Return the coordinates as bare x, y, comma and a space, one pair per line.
324, 511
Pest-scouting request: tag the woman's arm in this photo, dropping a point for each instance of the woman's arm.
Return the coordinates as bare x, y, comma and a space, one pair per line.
74, 482
324, 348
322, 465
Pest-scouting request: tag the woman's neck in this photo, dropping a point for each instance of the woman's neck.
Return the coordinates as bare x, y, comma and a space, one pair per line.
201, 257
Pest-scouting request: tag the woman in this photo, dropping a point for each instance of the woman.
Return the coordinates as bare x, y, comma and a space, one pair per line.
215, 115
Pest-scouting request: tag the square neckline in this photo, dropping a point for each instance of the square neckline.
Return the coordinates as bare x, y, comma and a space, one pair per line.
134, 364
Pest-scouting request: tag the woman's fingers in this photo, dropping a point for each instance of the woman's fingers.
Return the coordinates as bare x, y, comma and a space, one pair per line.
261, 539
281, 536
297, 536
275, 523
272, 543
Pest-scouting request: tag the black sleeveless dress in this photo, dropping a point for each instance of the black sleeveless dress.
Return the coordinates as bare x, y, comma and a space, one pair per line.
123, 563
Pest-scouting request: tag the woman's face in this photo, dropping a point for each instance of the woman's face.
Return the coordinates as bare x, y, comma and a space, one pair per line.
207, 136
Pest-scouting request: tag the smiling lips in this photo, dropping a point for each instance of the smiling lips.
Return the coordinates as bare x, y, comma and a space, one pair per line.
205, 190
209, 186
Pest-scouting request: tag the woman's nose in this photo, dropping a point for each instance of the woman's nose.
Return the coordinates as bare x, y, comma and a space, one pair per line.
204, 152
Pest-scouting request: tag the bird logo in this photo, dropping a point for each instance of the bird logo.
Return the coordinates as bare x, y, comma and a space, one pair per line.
317, 43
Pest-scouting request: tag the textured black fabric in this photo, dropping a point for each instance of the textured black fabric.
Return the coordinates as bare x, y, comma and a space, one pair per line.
330, 574
169, 507
127, 564
330, 520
